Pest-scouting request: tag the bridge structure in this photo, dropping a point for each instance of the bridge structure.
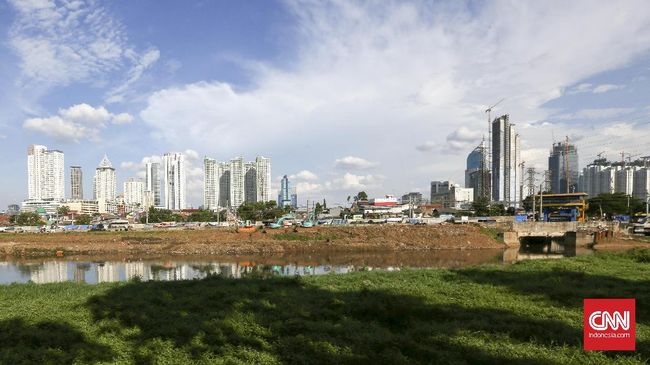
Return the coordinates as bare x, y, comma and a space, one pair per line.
575, 234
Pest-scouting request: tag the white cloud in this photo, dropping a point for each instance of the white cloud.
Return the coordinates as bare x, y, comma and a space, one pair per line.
122, 118
62, 42
339, 186
596, 89
356, 84
304, 175
606, 87
76, 123
141, 64
581, 88
463, 138
426, 146
191, 154
353, 162
602, 113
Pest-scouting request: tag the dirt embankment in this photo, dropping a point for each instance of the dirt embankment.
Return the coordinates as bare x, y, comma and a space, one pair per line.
231, 242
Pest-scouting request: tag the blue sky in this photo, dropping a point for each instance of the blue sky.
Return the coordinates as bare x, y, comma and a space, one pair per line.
344, 96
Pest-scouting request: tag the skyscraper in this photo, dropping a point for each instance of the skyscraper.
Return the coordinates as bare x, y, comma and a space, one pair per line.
223, 179
625, 180
134, 190
250, 182
642, 183
210, 183
237, 182
175, 183
563, 168
505, 158
76, 183
105, 182
45, 173
284, 198
263, 178
230, 184
152, 182
477, 175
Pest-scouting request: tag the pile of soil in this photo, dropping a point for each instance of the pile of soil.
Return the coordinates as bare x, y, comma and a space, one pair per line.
220, 241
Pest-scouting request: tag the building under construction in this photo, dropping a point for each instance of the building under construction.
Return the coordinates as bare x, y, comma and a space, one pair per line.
563, 167
505, 159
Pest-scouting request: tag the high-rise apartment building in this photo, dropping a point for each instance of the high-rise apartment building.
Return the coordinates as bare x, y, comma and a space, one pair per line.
223, 179
210, 184
607, 180
152, 181
237, 182
76, 183
45, 173
625, 180
642, 183
263, 175
175, 181
105, 182
590, 179
134, 192
505, 159
230, 184
250, 182
563, 168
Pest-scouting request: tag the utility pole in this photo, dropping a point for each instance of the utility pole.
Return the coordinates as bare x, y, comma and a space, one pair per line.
567, 177
534, 199
541, 196
541, 203
521, 183
530, 180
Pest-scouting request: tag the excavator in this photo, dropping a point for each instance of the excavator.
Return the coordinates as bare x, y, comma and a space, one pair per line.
310, 221
280, 222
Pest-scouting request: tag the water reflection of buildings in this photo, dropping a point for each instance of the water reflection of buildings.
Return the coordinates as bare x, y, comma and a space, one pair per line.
107, 272
138, 269
103, 272
170, 271
80, 272
50, 272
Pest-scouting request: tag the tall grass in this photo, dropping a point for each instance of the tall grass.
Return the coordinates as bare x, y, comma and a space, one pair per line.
529, 312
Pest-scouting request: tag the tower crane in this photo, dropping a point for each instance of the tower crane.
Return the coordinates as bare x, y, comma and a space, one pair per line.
489, 110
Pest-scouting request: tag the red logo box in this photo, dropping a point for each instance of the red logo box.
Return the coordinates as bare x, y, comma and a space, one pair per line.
609, 324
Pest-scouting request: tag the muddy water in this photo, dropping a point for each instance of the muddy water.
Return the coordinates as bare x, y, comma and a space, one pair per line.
93, 269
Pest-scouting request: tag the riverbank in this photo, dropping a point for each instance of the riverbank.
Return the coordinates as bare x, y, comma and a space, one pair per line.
529, 312
230, 242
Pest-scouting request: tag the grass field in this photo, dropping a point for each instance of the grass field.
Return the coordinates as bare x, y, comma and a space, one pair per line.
530, 312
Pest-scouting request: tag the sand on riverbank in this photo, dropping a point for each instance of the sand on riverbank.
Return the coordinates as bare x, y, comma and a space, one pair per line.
231, 242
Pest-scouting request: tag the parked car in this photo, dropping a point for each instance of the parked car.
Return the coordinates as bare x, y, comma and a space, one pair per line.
12, 230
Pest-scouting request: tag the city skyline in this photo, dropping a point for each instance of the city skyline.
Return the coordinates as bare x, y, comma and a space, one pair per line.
277, 83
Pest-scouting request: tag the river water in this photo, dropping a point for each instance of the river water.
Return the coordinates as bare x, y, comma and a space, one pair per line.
94, 269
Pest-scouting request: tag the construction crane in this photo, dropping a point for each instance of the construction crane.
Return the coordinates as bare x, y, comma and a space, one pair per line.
630, 156
489, 110
645, 160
